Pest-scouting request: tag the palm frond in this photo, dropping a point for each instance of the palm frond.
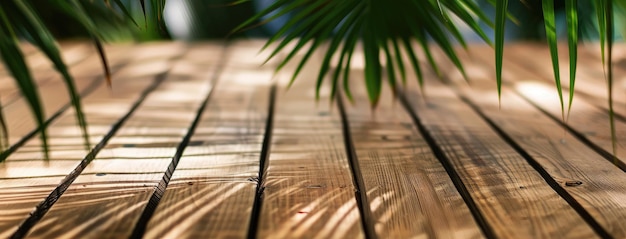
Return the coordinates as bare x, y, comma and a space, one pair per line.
380, 26
20, 20
571, 17
387, 31
14, 60
550, 26
44, 40
605, 21
501, 10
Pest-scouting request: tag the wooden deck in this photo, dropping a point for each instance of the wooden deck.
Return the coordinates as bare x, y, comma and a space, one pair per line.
203, 141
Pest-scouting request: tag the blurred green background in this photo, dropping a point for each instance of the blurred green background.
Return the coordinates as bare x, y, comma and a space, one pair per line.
211, 19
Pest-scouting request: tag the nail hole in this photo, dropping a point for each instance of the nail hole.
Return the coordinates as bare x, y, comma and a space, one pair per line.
573, 183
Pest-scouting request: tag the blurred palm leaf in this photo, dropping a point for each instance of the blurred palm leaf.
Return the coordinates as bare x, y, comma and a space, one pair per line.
386, 31
571, 16
379, 24
19, 20
550, 26
382, 27
604, 10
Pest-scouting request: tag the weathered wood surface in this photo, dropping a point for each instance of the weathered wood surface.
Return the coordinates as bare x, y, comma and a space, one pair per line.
411, 195
211, 193
308, 189
577, 171
511, 197
118, 186
201, 141
588, 116
26, 169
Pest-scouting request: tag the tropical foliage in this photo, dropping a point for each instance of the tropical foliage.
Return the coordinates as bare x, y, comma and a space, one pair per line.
19, 20
386, 30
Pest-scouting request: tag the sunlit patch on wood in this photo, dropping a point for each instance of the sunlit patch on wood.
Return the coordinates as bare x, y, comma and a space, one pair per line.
447, 162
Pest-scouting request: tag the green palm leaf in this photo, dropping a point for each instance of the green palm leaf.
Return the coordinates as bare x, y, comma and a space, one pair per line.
387, 31
19, 18
550, 26
604, 11
157, 7
126, 12
44, 40
9, 49
351, 41
501, 10
380, 26
572, 38
334, 45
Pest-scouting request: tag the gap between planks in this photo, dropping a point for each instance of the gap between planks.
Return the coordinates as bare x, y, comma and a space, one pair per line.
103, 92
511, 196
558, 155
410, 193
179, 93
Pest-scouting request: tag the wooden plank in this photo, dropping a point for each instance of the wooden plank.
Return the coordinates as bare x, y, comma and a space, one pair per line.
26, 179
591, 64
112, 191
65, 132
169, 110
591, 85
212, 191
589, 121
36, 59
509, 194
602, 193
591, 57
53, 93
410, 193
26, 169
309, 191
44, 72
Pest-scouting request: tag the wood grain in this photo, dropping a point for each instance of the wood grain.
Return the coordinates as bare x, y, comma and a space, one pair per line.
87, 73
410, 193
585, 118
603, 189
26, 179
513, 198
131, 168
592, 58
309, 191
212, 191
591, 85
42, 69
37, 60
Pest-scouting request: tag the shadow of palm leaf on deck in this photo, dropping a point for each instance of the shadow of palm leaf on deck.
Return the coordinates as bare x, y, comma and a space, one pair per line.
332, 214
120, 200
43, 73
17, 202
26, 179
200, 207
409, 192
